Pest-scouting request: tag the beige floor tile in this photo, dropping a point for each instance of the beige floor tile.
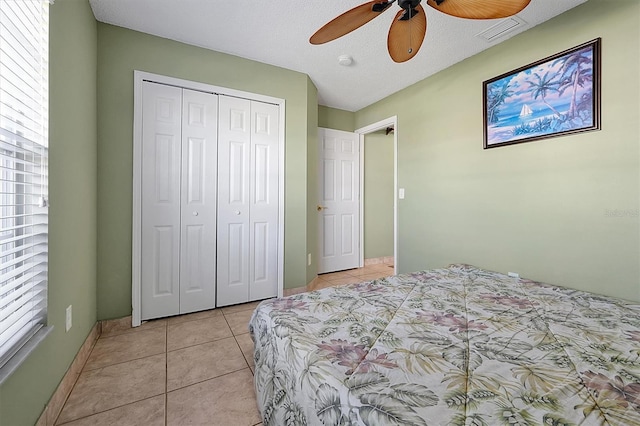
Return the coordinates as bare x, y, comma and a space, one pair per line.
225, 400
118, 329
246, 346
336, 275
343, 281
368, 270
205, 371
116, 385
196, 332
296, 290
326, 284
242, 307
318, 284
195, 316
148, 412
382, 267
202, 362
116, 324
239, 321
127, 347
375, 276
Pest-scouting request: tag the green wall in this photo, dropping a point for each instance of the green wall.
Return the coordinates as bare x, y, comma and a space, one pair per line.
120, 52
378, 195
312, 179
72, 212
536, 208
338, 119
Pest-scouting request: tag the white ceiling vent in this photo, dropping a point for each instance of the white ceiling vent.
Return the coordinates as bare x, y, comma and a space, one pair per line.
502, 28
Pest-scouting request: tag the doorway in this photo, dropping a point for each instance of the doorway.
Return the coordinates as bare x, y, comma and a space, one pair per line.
379, 128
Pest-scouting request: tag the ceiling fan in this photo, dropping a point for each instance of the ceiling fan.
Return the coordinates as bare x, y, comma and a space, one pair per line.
410, 24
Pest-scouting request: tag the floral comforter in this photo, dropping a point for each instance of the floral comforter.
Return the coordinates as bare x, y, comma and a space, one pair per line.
452, 346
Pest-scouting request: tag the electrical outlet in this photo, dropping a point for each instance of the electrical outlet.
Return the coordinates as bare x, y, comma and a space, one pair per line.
309, 259
514, 274
69, 319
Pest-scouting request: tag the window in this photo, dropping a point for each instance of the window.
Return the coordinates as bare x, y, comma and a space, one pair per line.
24, 56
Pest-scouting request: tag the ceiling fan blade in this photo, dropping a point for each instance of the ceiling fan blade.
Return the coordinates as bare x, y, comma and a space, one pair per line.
406, 37
479, 9
349, 21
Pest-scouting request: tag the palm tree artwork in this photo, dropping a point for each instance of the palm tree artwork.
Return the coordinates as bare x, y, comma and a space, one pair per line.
495, 99
541, 87
553, 96
576, 73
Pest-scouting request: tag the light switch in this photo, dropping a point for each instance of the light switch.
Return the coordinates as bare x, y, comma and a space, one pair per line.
69, 318
401, 193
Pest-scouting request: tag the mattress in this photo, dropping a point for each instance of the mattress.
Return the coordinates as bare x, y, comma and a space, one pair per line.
451, 346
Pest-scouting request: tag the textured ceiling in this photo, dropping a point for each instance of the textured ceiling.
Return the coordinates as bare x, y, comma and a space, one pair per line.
277, 32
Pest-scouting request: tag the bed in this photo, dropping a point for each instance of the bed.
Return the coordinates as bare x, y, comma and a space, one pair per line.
452, 346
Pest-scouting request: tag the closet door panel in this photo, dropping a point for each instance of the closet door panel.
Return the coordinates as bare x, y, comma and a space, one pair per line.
236, 247
263, 260
198, 207
234, 150
160, 263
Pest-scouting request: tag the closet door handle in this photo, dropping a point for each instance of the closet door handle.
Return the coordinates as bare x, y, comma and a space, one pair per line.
238, 212
195, 213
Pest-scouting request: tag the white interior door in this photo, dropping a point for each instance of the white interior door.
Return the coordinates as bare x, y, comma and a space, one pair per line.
234, 150
161, 141
338, 206
247, 201
179, 143
263, 192
198, 207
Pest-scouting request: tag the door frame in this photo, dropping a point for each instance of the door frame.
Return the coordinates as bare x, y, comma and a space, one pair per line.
380, 125
136, 255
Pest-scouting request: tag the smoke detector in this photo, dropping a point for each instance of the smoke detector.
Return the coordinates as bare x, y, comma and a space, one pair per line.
345, 60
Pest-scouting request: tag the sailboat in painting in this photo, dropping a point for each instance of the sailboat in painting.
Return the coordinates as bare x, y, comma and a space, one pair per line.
525, 111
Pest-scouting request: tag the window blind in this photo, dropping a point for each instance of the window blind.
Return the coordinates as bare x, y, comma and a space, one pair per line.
24, 56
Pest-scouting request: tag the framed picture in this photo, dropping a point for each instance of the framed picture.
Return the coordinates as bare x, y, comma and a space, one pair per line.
555, 96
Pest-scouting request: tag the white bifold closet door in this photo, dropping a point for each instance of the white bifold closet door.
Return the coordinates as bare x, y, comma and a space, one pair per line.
179, 160
247, 201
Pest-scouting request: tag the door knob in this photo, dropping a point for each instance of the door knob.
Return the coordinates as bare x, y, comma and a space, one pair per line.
238, 212
320, 208
195, 213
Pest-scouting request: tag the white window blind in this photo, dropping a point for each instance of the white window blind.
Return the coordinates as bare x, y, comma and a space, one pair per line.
24, 56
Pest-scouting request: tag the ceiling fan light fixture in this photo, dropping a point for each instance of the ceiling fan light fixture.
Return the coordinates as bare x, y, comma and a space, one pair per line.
345, 60
409, 27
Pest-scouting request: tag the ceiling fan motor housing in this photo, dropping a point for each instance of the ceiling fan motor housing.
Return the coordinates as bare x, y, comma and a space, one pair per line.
408, 4
409, 7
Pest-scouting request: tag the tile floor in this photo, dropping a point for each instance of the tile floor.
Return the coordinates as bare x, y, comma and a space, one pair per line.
194, 369
351, 276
